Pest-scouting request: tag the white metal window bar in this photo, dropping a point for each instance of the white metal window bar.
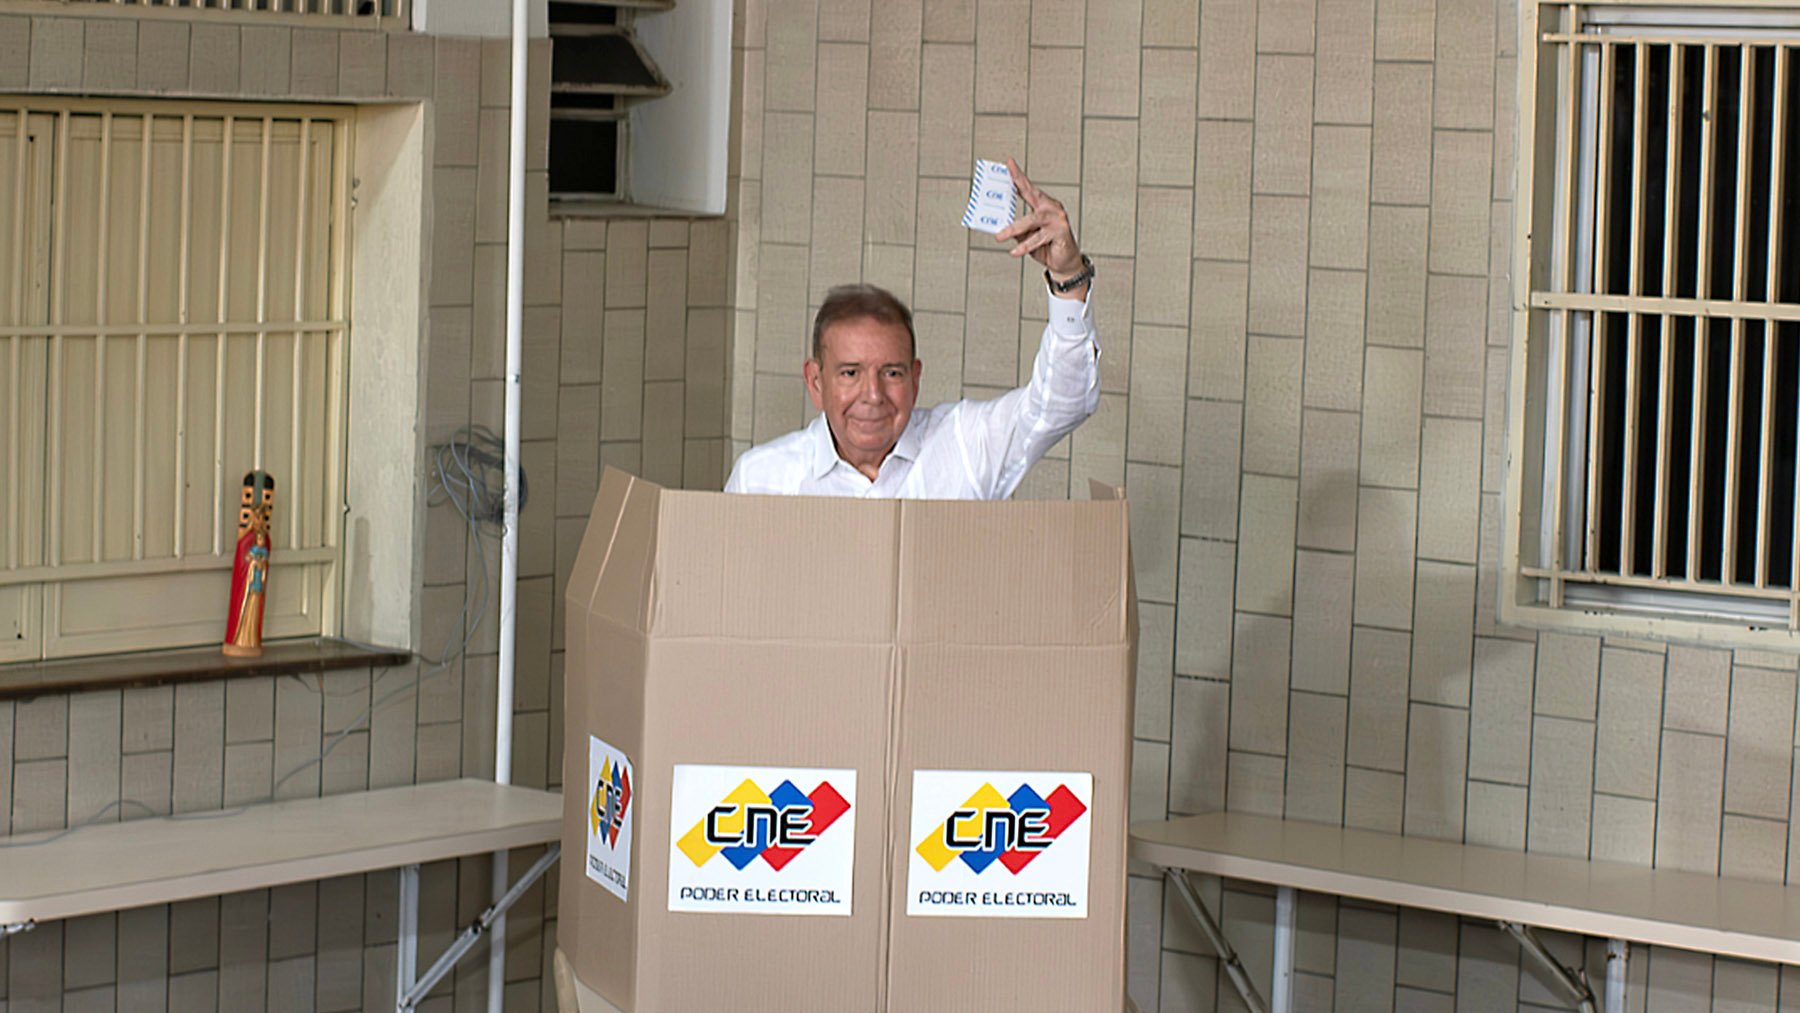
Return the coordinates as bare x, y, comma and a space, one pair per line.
1660, 255
173, 295
382, 15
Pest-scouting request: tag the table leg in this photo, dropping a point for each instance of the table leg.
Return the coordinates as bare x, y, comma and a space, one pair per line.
1234, 968
1281, 991
1618, 952
406, 948
1580, 996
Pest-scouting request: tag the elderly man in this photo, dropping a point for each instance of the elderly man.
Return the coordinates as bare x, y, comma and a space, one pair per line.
870, 441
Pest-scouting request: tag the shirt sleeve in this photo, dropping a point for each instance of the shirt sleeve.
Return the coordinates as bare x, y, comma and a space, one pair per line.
1001, 439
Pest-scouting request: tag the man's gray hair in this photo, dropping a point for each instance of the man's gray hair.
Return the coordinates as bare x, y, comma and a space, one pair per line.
861, 302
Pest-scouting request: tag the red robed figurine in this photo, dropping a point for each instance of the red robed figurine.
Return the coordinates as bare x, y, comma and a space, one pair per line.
250, 567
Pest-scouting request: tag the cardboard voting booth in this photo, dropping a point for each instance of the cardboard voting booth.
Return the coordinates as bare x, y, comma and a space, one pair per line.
847, 755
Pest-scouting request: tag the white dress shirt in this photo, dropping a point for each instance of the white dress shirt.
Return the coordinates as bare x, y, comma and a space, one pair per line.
959, 450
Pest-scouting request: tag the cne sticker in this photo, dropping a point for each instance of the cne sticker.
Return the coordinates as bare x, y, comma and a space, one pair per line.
761, 840
609, 818
999, 844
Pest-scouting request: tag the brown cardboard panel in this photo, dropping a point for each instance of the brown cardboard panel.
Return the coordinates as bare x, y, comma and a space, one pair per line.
776, 568
1101, 492
1012, 573
1015, 709
618, 551
571, 936
774, 705
604, 684
843, 634
596, 541
572, 928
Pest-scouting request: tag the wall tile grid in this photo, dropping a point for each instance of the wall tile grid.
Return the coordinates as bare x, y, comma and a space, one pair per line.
626, 342
1301, 213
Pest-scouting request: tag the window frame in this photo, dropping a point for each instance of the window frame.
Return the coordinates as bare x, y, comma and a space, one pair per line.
322, 569
1543, 359
625, 100
675, 151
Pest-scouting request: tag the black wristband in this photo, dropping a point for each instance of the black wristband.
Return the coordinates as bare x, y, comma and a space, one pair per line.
1086, 274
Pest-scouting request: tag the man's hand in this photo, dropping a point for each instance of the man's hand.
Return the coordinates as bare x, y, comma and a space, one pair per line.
1044, 232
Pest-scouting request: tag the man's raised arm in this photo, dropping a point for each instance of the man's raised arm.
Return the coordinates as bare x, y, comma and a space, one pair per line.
1045, 235
1004, 437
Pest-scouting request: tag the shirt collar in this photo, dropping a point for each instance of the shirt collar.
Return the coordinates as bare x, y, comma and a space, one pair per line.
824, 451
824, 448
907, 447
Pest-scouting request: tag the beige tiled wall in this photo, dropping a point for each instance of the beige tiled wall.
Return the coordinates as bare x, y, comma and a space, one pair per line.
1301, 213
627, 325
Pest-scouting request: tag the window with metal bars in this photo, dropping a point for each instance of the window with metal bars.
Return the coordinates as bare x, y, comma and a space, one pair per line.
1658, 404
385, 15
173, 302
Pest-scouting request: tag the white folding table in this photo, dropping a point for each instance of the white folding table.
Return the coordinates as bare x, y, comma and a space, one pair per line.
1519, 891
111, 866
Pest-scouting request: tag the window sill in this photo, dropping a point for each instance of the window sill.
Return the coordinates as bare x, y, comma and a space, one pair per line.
594, 208
155, 668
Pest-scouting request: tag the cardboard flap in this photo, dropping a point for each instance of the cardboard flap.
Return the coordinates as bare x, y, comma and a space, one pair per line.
611, 577
1014, 573
1101, 492
775, 568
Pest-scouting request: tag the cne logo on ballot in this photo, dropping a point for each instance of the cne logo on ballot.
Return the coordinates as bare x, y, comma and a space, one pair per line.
612, 797
774, 826
738, 847
609, 818
964, 824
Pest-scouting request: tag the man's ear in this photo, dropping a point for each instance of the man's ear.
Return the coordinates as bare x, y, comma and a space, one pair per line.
815, 378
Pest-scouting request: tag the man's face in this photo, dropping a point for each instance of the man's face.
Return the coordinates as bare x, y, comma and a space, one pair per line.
865, 382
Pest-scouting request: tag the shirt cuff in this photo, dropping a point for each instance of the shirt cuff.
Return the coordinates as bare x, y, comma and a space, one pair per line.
1069, 318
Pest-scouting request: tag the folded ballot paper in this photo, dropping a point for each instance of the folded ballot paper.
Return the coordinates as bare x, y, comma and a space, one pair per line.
990, 197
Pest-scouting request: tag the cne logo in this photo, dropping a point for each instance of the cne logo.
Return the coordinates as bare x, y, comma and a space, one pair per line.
612, 797
775, 826
1010, 829
735, 833
609, 818
1036, 825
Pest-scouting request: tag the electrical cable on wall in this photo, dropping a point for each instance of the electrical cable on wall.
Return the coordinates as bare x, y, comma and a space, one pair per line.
467, 472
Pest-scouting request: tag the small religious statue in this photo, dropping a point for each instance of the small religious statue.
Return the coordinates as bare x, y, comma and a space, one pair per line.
250, 567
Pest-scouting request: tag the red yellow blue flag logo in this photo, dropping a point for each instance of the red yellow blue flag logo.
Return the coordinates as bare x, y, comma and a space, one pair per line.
761, 840
999, 844
609, 811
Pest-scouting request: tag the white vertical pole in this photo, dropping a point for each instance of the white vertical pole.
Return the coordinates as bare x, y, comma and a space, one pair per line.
509, 550
1281, 990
